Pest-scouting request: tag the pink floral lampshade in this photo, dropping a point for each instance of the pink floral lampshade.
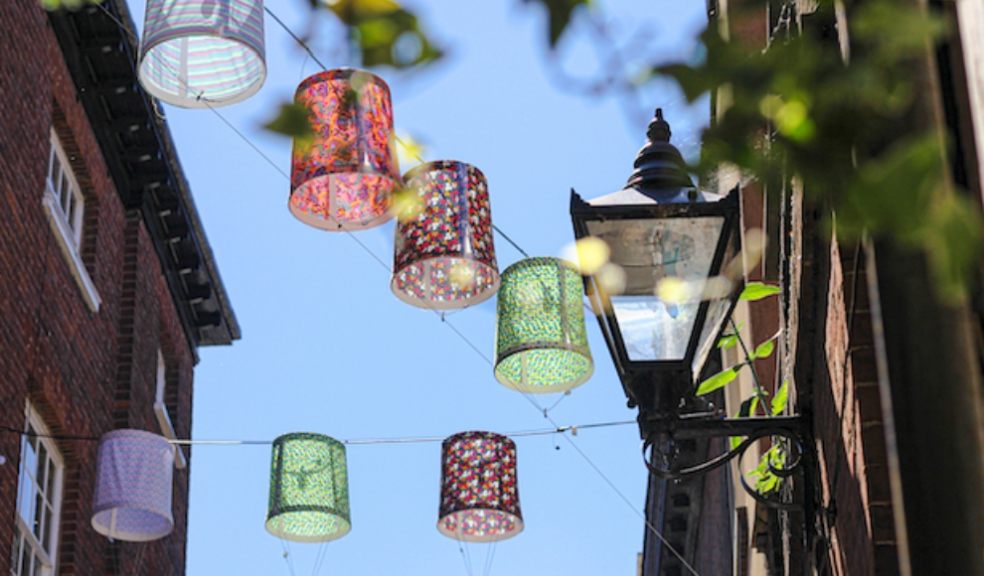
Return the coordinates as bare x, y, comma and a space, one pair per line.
445, 256
479, 492
343, 176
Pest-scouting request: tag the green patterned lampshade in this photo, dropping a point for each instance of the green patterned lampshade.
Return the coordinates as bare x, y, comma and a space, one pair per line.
309, 499
541, 343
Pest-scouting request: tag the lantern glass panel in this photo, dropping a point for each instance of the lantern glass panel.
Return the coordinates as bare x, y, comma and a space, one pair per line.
343, 176
541, 341
445, 256
666, 262
309, 499
198, 53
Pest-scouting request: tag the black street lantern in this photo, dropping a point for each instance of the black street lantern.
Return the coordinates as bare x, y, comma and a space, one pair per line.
675, 244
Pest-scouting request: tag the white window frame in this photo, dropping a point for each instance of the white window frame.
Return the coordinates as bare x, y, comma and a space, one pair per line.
64, 204
160, 410
46, 553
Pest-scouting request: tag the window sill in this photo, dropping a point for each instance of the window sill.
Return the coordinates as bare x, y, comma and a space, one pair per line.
64, 236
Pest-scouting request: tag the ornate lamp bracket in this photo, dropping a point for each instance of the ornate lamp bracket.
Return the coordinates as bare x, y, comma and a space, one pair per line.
663, 432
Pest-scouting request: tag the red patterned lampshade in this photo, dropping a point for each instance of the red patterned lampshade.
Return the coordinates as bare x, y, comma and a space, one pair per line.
479, 492
344, 177
445, 256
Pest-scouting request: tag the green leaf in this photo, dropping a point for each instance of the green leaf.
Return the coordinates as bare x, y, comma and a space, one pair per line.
719, 380
386, 33
757, 290
559, 13
780, 399
746, 409
291, 120
727, 341
70, 4
764, 350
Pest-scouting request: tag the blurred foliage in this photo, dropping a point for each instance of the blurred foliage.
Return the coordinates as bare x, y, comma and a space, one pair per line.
70, 4
842, 128
385, 33
559, 14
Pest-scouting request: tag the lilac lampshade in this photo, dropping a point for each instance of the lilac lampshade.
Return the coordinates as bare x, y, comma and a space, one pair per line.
479, 491
133, 486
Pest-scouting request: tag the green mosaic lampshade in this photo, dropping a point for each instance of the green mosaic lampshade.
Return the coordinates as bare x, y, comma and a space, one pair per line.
309, 499
541, 343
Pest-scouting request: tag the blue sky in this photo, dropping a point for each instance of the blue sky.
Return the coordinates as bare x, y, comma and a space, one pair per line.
327, 348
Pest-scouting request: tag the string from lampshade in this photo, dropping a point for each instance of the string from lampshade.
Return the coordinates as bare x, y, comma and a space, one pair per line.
571, 428
525, 394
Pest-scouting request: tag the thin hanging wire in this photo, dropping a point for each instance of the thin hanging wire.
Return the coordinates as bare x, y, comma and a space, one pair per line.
288, 557
489, 559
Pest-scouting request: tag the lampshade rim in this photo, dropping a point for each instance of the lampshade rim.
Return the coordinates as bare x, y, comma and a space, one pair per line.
541, 260
446, 304
330, 224
317, 436
130, 432
441, 165
583, 352
343, 73
158, 92
517, 521
105, 530
488, 434
346, 528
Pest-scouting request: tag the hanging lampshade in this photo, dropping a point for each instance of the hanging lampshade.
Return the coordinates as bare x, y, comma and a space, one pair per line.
133, 486
198, 53
445, 257
541, 343
343, 176
479, 492
308, 489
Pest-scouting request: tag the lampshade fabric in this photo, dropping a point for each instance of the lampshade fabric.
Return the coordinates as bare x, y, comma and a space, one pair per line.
343, 176
541, 342
479, 491
309, 499
132, 499
445, 256
198, 53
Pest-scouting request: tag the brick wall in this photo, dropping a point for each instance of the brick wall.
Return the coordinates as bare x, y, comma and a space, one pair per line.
849, 429
69, 360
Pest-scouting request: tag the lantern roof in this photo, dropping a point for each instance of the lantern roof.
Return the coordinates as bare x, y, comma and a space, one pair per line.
660, 175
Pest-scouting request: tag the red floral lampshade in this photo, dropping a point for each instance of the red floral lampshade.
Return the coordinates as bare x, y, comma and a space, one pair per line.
344, 176
479, 493
445, 257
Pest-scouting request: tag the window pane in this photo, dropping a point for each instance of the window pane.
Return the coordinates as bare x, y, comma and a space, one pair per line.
64, 191
49, 491
42, 466
25, 564
46, 532
38, 515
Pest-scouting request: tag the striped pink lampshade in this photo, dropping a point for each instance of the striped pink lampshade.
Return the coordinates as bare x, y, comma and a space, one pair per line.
133, 486
344, 176
198, 53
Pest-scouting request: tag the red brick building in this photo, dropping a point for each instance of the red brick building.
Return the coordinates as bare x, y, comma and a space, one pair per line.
889, 380
107, 285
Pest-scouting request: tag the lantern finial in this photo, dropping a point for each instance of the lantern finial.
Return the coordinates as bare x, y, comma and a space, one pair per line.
660, 170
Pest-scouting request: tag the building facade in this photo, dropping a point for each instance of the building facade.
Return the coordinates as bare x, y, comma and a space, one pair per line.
107, 286
888, 380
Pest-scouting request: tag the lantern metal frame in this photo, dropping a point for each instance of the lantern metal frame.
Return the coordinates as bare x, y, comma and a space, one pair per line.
664, 390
